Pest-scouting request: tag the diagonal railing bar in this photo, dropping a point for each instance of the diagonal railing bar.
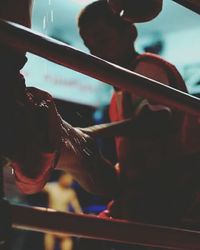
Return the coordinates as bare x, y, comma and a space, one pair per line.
87, 226
25, 39
193, 5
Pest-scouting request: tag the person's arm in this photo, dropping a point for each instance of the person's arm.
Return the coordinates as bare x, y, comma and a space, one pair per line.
77, 151
39, 135
46, 188
80, 157
147, 118
157, 116
35, 138
75, 203
43, 141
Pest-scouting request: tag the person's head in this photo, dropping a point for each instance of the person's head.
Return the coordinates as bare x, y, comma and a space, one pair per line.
65, 180
105, 34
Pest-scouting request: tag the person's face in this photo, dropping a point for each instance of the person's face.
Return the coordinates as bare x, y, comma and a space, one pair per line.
104, 40
66, 180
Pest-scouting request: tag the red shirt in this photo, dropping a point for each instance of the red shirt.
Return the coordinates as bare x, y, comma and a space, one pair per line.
147, 163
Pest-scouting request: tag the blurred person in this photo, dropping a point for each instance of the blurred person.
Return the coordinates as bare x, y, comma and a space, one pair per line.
154, 157
159, 156
34, 137
29, 117
60, 197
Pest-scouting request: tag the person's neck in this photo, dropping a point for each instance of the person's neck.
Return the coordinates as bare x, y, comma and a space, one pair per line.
126, 62
128, 58
63, 186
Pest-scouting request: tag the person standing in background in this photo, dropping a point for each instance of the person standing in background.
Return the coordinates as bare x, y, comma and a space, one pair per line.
61, 197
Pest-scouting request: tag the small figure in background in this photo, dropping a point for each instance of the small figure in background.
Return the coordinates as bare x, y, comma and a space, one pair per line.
61, 197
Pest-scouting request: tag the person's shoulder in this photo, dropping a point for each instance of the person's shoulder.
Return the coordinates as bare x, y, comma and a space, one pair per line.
162, 66
151, 58
152, 66
50, 185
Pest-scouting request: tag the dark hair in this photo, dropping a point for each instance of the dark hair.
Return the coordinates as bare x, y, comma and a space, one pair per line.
101, 10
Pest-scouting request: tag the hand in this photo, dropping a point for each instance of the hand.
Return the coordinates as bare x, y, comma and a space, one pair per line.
79, 141
135, 11
33, 138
